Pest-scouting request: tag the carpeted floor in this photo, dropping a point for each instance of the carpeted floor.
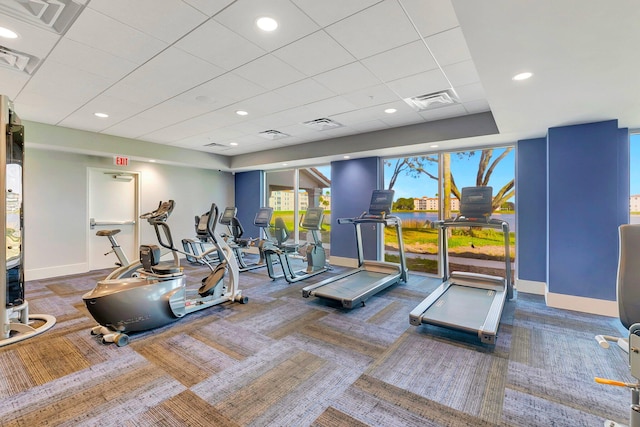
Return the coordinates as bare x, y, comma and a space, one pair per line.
284, 360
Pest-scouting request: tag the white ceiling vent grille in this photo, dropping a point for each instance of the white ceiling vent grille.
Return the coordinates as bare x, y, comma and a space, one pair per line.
433, 100
322, 124
57, 15
17, 60
273, 134
215, 145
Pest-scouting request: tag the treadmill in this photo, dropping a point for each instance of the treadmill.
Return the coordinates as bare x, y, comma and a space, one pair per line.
469, 302
370, 277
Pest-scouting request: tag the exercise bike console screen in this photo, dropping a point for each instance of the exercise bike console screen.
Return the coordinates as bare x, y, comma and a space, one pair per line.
381, 202
228, 214
263, 217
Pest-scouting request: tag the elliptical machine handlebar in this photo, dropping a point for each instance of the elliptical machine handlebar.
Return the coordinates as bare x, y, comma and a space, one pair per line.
161, 213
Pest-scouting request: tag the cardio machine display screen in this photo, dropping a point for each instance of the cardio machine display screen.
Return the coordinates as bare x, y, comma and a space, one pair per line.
228, 215
263, 216
381, 202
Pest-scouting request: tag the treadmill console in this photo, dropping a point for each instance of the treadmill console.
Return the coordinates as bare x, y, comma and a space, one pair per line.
477, 202
381, 202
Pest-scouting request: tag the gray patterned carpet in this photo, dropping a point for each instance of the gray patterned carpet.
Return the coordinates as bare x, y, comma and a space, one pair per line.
283, 360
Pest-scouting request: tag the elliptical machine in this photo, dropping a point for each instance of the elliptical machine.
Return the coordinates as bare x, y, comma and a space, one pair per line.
314, 253
159, 295
238, 243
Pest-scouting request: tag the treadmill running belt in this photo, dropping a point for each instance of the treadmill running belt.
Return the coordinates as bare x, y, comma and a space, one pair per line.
463, 306
352, 286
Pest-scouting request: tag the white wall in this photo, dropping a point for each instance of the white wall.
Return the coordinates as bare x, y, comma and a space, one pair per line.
55, 205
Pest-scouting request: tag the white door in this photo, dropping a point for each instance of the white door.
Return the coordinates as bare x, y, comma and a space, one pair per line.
112, 205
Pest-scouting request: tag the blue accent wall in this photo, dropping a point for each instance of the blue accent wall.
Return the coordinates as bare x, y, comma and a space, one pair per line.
531, 210
248, 199
352, 182
585, 208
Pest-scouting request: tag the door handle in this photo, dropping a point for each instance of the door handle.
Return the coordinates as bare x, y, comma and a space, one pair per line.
93, 223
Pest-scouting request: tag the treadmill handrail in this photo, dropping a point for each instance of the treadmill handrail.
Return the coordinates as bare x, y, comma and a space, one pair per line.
462, 221
389, 220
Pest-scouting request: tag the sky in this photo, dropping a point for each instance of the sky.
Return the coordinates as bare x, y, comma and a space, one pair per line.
465, 169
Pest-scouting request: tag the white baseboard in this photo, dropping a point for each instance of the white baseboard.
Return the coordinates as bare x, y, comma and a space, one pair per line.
582, 304
61, 270
531, 287
343, 262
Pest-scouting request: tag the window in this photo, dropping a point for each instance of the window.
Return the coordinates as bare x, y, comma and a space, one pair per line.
634, 179
290, 192
427, 189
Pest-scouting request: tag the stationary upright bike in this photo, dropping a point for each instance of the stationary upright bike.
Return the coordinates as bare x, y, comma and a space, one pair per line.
159, 295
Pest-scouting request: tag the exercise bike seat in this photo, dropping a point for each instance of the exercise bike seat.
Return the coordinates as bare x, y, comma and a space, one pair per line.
107, 233
166, 269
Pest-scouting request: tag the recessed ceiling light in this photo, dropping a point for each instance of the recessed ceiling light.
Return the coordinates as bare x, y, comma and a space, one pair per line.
434, 146
267, 24
233, 143
390, 110
7, 33
101, 115
522, 76
284, 164
241, 113
346, 157
152, 161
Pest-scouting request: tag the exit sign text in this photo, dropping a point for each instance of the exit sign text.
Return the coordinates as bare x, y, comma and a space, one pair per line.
120, 161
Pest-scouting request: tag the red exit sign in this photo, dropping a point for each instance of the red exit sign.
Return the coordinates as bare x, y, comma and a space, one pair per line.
121, 161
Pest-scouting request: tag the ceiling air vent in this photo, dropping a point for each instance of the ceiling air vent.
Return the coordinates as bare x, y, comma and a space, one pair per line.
273, 134
55, 14
322, 124
214, 145
17, 60
433, 100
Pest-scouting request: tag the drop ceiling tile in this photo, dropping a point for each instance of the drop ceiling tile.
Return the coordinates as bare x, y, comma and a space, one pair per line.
293, 23
226, 48
479, 106
102, 32
329, 107
327, 12
420, 84
414, 58
369, 126
305, 92
178, 131
43, 109
462, 73
347, 78
221, 92
267, 103
166, 75
374, 95
431, 17
471, 92
209, 7
381, 27
60, 81
314, 54
74, 54
269, 72
151, 16
137, 127
449, 47
12, 82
